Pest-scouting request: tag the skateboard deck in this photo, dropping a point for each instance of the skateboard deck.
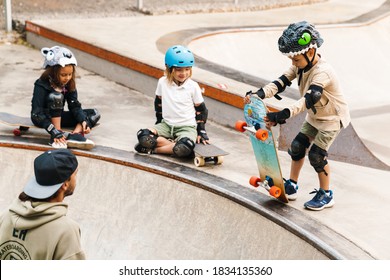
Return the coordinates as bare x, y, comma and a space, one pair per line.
264, 148
208, 153
23, 124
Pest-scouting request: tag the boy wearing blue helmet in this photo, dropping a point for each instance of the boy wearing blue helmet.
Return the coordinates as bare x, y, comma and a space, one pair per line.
180, 109
321, 97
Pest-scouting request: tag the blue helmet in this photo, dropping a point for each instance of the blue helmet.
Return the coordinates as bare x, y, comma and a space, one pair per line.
179, 56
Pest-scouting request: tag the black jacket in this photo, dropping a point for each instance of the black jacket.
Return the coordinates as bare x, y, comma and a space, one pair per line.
40, 113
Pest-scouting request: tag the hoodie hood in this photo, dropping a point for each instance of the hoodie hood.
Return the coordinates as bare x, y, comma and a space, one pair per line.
29, 215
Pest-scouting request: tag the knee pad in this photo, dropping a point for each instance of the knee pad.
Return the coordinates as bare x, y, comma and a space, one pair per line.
298, 147
38, 118
318, 158
184, 147
55, 101
147, 138
93, 116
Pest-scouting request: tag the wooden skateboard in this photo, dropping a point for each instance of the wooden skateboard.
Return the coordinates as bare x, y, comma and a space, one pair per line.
208, 154
264, 148
23, 124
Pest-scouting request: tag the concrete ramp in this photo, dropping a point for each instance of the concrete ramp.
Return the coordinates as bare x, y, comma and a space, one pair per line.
136, 207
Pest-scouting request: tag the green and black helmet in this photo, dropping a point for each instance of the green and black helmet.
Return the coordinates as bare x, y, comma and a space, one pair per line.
298, 38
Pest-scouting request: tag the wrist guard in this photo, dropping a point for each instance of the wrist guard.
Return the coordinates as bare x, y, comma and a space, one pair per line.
54, 132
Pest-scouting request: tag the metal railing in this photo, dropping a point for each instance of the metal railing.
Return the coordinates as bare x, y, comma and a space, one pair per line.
8, 17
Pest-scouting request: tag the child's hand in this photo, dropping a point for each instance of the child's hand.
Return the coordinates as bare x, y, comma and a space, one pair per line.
202, 134
60, 140
268, 123
200, 139
86, 128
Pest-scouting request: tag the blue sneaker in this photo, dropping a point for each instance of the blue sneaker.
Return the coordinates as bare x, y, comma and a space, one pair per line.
291, 189
321, 200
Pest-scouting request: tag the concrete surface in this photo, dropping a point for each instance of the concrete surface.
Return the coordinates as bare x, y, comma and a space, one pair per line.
162, 210
360, 197
148, 216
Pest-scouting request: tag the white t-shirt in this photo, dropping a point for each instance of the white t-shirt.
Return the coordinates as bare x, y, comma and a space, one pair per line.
178, 101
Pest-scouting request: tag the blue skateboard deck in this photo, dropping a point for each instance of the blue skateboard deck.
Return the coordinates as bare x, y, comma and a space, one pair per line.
265, 149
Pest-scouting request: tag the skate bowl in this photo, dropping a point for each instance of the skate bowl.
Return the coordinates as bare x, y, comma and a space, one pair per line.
223, 86
144, 207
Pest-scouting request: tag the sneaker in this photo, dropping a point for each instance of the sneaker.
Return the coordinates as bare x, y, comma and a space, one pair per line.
58, 145
291, 189
142, 150
321, 200
78, 141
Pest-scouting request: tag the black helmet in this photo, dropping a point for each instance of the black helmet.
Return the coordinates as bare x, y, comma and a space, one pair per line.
298, 38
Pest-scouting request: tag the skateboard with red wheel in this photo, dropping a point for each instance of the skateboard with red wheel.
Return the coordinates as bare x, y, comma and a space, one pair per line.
264, 148
22, 124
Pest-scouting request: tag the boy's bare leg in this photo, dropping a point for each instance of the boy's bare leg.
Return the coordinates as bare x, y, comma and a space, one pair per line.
324, 178
295, 169
164, 146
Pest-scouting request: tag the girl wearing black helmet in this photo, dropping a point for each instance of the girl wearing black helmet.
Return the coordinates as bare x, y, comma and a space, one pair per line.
180, 109
321, 97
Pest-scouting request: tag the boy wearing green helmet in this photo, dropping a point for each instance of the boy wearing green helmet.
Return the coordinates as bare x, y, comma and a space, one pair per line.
321, 96
180, 109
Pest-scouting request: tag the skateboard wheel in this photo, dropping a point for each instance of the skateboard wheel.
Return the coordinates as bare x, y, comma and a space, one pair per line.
254, 181
240, 126
218, 160
262, 134
275, 191
17, 132
199, 161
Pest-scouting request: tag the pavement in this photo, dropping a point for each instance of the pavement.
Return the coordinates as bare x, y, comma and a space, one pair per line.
355, 48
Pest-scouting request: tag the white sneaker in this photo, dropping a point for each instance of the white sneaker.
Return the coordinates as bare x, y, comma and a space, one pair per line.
58, 145
78, 141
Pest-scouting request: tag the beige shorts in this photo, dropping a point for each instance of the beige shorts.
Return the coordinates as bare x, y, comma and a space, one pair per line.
323, 139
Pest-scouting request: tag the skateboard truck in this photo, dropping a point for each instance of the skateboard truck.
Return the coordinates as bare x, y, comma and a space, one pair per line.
201, 161
267, 184
261, 134
20, 130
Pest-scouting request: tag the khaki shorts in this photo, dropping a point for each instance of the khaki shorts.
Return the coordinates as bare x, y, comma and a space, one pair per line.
176, 132
323, 139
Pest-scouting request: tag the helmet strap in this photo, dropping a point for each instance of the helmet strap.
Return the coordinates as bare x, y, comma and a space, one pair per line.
308, 66
309, 62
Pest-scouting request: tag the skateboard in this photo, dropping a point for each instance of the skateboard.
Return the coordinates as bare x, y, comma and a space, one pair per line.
208, 153
264, 148
23, 124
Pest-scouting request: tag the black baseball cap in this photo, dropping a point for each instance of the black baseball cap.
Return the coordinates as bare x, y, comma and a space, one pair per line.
52, 169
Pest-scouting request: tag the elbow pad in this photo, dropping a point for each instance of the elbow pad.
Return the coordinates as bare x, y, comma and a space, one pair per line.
158, 109
281, 83
201, 112
312, 96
